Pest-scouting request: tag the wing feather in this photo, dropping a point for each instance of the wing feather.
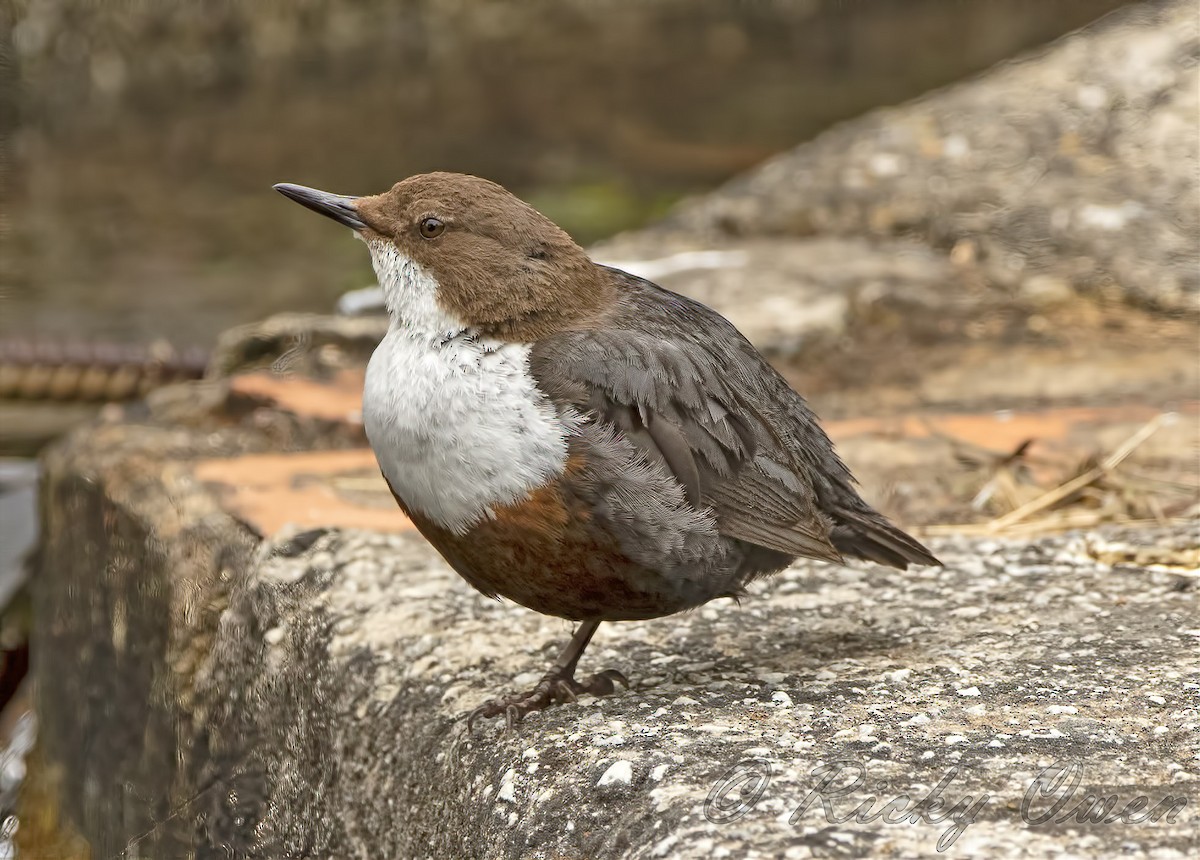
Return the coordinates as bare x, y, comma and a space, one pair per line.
683, 385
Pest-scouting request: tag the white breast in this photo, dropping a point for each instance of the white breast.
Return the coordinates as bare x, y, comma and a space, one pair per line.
457, 422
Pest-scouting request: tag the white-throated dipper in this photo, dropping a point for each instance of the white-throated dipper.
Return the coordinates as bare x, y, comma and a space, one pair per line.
576, 439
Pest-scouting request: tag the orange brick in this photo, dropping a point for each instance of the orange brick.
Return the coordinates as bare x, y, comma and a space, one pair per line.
269, 491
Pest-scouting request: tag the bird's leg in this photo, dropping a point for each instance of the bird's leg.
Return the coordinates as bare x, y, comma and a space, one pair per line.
556, 687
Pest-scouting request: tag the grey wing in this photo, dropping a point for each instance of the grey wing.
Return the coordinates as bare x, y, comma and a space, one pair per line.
681, 383
679, 407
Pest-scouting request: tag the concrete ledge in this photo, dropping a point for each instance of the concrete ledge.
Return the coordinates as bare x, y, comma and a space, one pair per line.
133, 574
208, 693
303, 698
355, 659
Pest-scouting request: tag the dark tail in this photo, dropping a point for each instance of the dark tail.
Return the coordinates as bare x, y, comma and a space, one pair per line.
868, 535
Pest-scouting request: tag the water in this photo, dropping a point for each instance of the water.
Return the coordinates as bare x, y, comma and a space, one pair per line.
147, 136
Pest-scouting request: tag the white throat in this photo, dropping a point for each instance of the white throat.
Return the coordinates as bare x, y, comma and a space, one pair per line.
410, 293
456, 421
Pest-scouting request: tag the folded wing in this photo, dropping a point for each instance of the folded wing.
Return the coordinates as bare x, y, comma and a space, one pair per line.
678, 381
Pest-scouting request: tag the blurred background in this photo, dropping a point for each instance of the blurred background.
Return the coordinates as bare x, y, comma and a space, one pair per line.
141, 139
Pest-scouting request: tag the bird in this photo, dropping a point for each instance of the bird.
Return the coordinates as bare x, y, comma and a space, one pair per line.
578, 440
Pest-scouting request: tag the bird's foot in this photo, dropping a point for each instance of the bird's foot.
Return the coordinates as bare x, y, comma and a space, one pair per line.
555, 688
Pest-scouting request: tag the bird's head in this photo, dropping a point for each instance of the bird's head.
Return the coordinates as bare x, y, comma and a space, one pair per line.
455, 252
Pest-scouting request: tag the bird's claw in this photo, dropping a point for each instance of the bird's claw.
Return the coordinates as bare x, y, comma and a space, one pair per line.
554, 689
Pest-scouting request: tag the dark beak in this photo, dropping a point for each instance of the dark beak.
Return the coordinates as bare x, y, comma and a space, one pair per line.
335, 206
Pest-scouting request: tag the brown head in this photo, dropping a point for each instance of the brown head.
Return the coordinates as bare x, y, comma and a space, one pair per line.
456, 250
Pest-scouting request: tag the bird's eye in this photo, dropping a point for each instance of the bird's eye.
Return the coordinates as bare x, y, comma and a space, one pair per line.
431, 228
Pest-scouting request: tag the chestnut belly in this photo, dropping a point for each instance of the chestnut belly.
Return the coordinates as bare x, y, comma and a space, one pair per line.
557, 561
